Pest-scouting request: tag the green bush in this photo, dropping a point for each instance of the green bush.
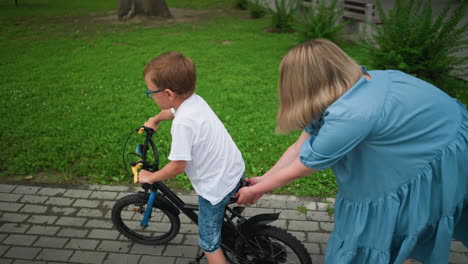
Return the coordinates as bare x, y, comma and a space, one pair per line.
241, 4
257, 9
410, 40
283, 15
321, 22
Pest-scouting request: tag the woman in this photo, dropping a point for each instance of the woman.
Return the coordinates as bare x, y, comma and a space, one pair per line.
398, 147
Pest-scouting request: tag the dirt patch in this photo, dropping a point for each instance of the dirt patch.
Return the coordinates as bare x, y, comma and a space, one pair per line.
179, 16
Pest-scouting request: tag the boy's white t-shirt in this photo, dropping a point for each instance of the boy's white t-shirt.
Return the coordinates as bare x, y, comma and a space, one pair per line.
214, 163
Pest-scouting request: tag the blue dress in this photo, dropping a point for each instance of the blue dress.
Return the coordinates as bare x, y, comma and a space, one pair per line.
399, 149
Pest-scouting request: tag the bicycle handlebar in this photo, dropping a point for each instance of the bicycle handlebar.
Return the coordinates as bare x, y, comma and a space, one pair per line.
142, 163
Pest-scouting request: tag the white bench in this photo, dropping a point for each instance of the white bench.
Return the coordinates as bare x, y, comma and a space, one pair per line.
360, 10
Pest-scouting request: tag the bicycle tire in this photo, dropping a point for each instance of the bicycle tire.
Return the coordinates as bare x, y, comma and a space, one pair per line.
270, 245
127, 213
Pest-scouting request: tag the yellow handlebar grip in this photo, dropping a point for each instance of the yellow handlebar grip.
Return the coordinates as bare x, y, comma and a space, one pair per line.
135, 171
141, 130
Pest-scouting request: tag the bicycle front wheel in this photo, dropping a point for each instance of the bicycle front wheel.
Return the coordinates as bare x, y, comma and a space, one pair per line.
271, 245
128, 212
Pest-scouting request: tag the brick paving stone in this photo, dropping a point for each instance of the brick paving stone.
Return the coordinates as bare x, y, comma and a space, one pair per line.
90, 212
10, 197
86, 203
20, 261
178, 250
19, 240
191, 240
3, 249
103, 233
34, 199
114, 246
51, 242
153, 259
109, 188
63, 210
42, 219
55, 254
327, 226
82, 243
30, 208
51, 191
318, 237
303, 225
103, 195
77, 193
6, 188
291, 214
48, 230
96, 223
114, 258
26, 189
10, 207
88, 257
14, 228
59, 201
73, 232
22, 253
13, 217
313, 248
71, 221
147, 250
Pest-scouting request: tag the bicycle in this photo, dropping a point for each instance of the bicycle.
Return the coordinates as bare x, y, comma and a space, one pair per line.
244, 240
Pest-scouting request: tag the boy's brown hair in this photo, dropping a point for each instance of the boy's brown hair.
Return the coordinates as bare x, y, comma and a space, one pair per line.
173, 71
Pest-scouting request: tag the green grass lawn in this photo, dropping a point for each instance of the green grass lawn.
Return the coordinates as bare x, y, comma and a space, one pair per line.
72, 87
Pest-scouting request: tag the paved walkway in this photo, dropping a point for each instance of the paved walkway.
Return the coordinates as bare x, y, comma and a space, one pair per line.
71, 224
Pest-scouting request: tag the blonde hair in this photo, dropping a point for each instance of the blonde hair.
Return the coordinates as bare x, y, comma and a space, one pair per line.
173, 71
312, 76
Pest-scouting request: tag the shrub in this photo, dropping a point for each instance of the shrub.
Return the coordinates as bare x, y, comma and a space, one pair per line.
283, 15
257, 9
241, 4
410, 40
321, 22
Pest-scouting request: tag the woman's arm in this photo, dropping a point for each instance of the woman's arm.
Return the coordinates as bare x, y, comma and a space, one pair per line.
289, 155
280, 177
289, 159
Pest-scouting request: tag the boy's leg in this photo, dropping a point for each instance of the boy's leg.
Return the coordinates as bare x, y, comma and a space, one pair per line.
216, 257
210, 221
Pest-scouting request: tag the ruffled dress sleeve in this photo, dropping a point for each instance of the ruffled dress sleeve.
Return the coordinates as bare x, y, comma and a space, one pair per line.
338, 131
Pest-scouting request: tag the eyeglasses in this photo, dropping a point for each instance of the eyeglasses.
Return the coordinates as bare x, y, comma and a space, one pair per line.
150, 93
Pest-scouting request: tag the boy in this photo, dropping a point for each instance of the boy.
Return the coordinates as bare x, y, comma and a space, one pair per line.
201, 145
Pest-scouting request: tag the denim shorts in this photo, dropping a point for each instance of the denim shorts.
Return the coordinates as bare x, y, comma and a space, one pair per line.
210, 222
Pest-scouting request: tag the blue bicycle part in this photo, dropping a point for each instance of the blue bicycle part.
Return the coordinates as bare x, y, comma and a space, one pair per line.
149, 209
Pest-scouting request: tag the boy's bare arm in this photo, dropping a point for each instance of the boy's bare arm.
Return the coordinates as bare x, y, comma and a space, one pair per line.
171, 170
164, 115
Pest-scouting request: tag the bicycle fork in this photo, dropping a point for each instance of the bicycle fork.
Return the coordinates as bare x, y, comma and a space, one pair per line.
148, 211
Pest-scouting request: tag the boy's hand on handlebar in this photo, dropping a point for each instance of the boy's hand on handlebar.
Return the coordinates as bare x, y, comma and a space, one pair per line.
145, 176
152, 123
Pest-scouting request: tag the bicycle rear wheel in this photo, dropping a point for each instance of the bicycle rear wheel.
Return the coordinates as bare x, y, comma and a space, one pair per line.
270, 245
128, 212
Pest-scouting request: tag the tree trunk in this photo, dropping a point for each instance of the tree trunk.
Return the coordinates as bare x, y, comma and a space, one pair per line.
130, 8
16, 2
156, 8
